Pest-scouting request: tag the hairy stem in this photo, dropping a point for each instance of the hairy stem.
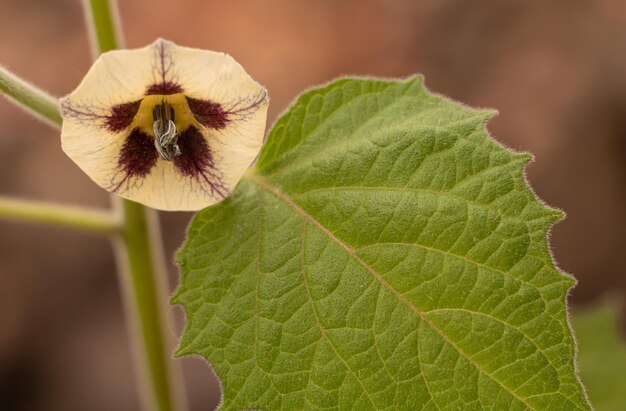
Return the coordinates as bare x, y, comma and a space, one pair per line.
27, 96
144, 282
143, 278
45, 107
65, 216
103, 25
136, 236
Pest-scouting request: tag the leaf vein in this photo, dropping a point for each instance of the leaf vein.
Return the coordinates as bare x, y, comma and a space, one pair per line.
307, 217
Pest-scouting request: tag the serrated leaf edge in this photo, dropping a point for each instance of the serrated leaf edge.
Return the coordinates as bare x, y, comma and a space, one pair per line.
527, 158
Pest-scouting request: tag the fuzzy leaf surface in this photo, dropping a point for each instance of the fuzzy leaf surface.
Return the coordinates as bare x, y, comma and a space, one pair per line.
385, 253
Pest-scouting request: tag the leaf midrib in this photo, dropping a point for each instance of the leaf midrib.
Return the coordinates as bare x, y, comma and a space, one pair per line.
264, 185
317, 319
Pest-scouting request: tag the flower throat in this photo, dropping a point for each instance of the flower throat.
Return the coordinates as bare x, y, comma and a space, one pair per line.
165, 133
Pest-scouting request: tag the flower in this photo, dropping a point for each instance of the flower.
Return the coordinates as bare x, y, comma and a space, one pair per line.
174, 128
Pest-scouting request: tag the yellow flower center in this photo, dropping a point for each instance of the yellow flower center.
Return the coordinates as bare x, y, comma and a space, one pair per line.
144, 120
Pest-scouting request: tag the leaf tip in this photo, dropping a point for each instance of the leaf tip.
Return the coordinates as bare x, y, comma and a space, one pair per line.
417, 78
181, 351
488, 113
525, 157
179, 256
175, 299
556, 215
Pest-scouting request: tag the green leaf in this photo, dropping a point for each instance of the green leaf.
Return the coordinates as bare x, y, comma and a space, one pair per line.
384, 254
601, 357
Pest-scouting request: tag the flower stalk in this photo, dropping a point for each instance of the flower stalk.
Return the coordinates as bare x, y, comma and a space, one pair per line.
143, 281
134, 230
139, 251
103, 26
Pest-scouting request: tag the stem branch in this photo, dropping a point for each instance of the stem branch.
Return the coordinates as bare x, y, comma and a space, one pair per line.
45, 107
137, 241
29, 97
47, 213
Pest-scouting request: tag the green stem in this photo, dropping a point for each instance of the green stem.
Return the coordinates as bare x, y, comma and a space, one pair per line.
65, 216
45, 107
143, 280
103, 25
137, 243
144, 285
27, 96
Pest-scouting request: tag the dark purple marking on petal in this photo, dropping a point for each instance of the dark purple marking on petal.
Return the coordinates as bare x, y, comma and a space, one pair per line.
164, 88
196, 160
214, 116
137, 156
121, 115
209, 114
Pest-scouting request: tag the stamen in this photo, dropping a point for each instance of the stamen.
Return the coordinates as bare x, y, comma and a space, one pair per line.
164, 128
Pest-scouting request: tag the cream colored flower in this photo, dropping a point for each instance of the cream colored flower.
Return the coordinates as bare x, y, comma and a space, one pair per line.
171, 127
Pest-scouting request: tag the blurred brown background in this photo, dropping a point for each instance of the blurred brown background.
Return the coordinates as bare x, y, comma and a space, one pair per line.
556, 71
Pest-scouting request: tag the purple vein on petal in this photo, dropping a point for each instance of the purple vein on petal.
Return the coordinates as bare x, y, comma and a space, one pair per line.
119, 118
196, 160
164, 80
246, 107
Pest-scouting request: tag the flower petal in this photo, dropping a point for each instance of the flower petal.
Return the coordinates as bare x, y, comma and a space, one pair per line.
220, 111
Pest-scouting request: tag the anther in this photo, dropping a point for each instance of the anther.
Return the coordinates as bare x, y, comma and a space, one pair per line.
164, 128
